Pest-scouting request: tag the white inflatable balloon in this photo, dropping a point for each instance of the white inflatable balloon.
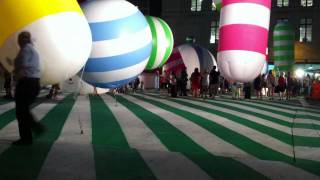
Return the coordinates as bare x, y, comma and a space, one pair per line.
244, 26
60, 34
190, 56
122, 43
75, 84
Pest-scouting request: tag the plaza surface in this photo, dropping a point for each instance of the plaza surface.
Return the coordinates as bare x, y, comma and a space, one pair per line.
148, 136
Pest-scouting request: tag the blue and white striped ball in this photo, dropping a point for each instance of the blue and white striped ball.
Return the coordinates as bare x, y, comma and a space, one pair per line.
122, 43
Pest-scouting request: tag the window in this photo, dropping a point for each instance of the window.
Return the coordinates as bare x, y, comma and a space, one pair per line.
282, 20
190, 39
282, 3
306, 3
305, 30
196, 5
214, 37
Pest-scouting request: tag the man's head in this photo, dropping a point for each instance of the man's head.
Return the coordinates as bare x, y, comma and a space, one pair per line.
24, 38
214, 67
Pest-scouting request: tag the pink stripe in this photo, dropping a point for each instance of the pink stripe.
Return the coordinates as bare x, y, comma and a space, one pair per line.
243, 37
266, 3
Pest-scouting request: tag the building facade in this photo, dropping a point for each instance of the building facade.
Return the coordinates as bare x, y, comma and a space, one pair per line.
197, 20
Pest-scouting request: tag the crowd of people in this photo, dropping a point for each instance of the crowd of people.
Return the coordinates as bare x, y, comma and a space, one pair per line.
202, 84
209, 83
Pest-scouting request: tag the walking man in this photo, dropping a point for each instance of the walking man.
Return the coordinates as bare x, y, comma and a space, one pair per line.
27, 77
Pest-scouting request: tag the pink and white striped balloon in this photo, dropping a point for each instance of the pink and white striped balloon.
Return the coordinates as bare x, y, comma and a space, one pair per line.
244, 26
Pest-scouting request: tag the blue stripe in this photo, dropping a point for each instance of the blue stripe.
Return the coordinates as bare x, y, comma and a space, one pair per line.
205, 60
117, 28
118, 62
114, 84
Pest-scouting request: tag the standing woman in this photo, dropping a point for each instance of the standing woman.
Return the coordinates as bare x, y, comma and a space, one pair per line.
204, 84
173, 83
195, 82
271, 81
27, 77
257, 83
282, 85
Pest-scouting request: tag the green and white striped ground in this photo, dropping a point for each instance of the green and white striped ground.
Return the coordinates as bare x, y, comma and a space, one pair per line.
147, 136
162, 42
283, 46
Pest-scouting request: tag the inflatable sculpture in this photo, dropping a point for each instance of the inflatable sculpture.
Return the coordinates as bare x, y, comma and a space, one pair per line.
283, 46
162, 42
244, 26
60, 33
122, 43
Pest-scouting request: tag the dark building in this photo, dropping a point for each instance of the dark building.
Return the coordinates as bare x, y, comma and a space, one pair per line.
197, 20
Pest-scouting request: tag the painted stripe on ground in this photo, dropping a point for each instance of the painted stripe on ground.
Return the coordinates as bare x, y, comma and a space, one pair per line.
274, 133
20, 158
284, 108
274, 110
10, 132
175, 140
114, 159
164, 164
302, 152
238, 140
71, 156
245, 131
6, 107
293, 107
256, 119
300, 124
217, 146
10, 115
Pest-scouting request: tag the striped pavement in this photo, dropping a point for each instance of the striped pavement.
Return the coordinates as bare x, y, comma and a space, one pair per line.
147, 136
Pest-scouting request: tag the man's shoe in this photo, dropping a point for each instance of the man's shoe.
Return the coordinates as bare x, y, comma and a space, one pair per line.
21, 142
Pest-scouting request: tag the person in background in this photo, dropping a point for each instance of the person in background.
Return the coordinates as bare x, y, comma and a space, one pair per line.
156, 81
173, 83
142, 86
257, 83
234, 90
195, 82
289, 86
55, 90
167, 80
239, 90
214, 82
307, 84
183, 82
204, 83
281, 85
247, 90
271, 84
136, 84
7, 82
264, 84
27, 76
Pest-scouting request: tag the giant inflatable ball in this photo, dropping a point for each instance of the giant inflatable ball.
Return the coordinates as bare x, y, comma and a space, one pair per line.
244, 26
162, 42
283, 46
190, 56
60, 34
122, 43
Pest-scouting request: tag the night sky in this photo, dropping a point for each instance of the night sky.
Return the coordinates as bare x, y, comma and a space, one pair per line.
155, 7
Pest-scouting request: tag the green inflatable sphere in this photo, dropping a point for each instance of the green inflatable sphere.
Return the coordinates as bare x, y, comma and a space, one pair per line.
162, 42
